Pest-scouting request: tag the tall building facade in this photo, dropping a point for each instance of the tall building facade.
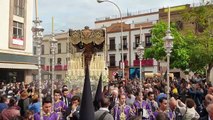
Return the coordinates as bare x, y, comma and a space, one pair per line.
61, 55
136, 28
16, 57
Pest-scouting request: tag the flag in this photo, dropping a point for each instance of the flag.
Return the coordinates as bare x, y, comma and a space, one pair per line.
98, 94
86, 108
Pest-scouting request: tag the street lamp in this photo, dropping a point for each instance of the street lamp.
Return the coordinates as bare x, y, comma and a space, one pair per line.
121, 20
53, 47
140, 53
37, 30
168, 45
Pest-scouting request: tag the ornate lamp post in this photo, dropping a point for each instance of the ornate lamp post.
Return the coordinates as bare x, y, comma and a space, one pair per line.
37, 30
53, 43
168, 45
121, 20
140, 53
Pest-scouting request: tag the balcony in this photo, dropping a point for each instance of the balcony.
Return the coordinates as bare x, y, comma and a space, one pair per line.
58, 67
47, 68
125, 63
65, 67
149, 62
43, 67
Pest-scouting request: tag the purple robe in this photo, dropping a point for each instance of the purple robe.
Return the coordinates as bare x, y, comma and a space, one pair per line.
70, 95
51, 116
60, 106
127, 111
138, 105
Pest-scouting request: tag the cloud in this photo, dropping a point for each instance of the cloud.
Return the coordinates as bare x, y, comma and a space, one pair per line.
76, 14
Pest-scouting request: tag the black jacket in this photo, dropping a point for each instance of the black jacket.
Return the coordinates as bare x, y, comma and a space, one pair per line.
75, 115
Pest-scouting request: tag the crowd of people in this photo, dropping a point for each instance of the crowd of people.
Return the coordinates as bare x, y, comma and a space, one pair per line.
123, 100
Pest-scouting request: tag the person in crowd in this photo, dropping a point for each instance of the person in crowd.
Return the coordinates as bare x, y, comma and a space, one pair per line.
162, 116
113, 99
188, 109
35, 105
59, 106
122, 111
103, 112
130, 98
209, 116
28, 115
208, 100
48, 114
163, 108
151, 101
24, 102
210, 90
72, 111
71, 93
11, 112
64, 97
141, 107
176, 114
3, 102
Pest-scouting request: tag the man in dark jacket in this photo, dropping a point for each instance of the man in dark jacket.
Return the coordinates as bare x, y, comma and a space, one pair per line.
64, 97
72, 112
210, 113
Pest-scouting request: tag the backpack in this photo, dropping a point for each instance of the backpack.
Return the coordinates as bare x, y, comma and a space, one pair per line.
103, 115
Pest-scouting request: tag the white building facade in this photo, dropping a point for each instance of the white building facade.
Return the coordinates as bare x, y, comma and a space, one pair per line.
136, 28
16, 56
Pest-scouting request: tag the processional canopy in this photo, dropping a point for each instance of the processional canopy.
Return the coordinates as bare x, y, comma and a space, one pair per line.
90, 41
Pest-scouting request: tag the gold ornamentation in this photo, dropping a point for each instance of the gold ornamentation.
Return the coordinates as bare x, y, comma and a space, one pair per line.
87, 36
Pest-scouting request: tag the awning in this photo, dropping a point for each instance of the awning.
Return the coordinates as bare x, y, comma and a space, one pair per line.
18, 66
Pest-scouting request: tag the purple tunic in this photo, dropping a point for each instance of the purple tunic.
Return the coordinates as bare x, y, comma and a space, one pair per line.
137, 105
127, 111
60, 106
52, 116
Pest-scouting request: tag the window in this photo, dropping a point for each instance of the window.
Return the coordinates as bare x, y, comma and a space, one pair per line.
51, 61
67, 60
112, 43
59, 47
34, 50
136, 56
59, 61
179, 25
19, 7
112, 60
137, 41
148, 42
125, 42
42, 49
18, 30
199, 28
59, 76
124, 56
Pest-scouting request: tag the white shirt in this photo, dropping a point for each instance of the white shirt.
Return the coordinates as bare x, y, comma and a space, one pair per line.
104, 109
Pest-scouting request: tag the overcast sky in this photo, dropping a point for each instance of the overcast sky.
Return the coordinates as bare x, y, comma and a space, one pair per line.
76, 14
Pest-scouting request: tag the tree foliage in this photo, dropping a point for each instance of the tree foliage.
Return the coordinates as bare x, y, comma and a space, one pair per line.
200, 40
179, 55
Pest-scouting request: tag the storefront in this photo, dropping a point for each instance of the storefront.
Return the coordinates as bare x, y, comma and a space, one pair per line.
17, 68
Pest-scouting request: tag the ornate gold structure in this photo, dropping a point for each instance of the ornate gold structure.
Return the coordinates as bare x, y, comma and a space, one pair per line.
90, 41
